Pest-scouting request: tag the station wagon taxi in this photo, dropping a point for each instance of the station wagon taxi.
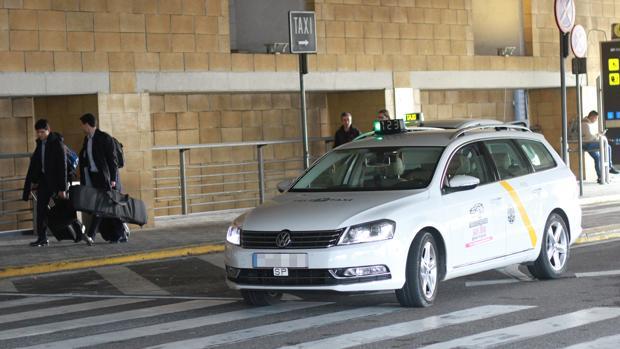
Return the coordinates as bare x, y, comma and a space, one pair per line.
402, 209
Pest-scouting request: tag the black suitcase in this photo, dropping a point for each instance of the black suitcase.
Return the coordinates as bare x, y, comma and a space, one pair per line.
112, 229
62, 221
108, 204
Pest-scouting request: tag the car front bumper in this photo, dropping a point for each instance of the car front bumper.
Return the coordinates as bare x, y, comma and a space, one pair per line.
320, 272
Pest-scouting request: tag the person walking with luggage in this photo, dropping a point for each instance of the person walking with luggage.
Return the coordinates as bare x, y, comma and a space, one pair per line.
98, 165
47, 174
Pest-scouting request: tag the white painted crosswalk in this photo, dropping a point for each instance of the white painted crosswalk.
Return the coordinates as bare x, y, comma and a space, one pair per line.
609, 342
167, 323
531, 329
410, 327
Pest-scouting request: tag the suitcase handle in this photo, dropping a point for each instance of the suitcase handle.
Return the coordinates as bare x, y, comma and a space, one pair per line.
123, 203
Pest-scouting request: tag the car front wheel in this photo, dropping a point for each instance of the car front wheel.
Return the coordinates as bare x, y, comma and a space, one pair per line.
420, 286
261, 298
554, 252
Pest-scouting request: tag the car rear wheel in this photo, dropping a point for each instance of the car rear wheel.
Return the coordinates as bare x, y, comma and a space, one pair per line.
420, 286
554, 252
261, 298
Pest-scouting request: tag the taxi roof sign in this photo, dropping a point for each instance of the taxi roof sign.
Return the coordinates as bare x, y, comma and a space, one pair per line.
389, 126
414, 117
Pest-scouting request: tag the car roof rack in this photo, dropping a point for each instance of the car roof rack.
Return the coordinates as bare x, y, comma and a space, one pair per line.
503, 127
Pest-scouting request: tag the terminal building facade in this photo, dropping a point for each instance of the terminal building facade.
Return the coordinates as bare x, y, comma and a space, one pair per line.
171, 72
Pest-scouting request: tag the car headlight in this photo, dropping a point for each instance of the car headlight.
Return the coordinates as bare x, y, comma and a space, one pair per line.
367, 232
233, 235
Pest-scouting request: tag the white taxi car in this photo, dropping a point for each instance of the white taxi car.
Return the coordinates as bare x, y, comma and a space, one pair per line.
403, 209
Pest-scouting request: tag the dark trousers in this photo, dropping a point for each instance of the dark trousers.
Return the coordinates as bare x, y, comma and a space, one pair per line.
593, 148
98, 181
43, 198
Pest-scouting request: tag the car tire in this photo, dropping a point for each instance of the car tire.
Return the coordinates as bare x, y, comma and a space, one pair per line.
554, 250
261, 298
421, 274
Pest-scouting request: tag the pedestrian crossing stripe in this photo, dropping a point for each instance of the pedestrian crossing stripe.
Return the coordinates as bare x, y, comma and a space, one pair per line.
278, 328
141, 313
503, 336
66, 309
610, 342
179, 325
410, 327
323, 315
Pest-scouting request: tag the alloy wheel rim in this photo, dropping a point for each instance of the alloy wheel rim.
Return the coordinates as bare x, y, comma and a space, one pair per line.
428, 270
557, 246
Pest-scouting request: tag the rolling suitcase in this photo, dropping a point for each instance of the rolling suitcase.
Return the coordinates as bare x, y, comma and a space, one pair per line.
108, 204
62, 221
112, 230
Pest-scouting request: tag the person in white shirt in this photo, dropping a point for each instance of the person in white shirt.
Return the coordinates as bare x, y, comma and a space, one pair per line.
591, 137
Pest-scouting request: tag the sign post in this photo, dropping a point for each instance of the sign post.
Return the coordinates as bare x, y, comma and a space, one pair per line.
565, 19
579, 46
302, 40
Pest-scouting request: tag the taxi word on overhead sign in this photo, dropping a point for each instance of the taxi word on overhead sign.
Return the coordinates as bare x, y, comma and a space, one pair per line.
302, 31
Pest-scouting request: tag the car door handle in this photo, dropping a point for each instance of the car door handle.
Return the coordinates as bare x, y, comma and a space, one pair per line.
537, 191
497, 199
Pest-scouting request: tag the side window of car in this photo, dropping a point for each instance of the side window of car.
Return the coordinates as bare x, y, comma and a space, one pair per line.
539, 155
470, 162
507, 159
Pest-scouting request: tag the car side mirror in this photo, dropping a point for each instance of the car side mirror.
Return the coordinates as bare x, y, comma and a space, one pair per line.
462, 182
285, 185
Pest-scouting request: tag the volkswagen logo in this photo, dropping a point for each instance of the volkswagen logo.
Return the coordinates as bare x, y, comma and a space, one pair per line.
283, 239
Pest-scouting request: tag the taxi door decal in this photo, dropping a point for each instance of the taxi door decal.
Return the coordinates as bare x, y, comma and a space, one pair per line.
522, 212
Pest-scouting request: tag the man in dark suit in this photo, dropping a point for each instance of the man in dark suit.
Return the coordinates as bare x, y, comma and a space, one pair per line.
98, 164
47, 173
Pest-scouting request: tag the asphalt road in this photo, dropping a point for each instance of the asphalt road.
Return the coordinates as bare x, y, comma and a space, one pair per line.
183, 303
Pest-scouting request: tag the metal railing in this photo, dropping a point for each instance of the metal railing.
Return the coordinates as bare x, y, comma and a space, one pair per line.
244, 173
11, 218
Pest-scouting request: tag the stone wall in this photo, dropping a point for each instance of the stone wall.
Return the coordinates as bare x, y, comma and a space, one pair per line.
125, 36
463, 104
16, 123
223, 118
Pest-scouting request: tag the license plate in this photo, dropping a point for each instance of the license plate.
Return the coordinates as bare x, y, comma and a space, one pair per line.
280, 260
280, 271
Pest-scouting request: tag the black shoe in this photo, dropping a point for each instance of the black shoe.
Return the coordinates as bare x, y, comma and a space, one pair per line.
39, 243
89, 240
613, 170
599, 181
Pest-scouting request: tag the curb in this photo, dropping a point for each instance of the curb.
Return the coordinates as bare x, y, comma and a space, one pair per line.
113, 260
603, 233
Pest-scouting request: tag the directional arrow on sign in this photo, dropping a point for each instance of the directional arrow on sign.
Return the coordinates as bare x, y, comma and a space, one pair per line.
303, 43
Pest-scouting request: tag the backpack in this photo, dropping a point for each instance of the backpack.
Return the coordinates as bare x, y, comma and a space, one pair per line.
73, 160
118, 150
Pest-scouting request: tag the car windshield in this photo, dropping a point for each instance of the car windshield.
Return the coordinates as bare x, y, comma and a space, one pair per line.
372, 169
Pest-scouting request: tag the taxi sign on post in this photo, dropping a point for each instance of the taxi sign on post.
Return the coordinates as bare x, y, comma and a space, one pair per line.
302, 31
564, 14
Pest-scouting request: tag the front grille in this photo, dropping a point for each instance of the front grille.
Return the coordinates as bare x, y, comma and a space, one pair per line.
299, 239
297, 277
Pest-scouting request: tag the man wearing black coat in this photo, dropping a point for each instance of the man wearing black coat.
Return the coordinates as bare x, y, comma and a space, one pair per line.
47, 173
346, 133
98, 164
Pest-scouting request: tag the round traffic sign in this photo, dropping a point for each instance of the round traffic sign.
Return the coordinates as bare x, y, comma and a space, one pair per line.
579, 41
564, 14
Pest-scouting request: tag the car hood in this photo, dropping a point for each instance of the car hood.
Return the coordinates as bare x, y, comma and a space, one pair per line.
327, 211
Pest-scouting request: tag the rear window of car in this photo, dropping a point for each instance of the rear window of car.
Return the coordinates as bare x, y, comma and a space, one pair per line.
538, 154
